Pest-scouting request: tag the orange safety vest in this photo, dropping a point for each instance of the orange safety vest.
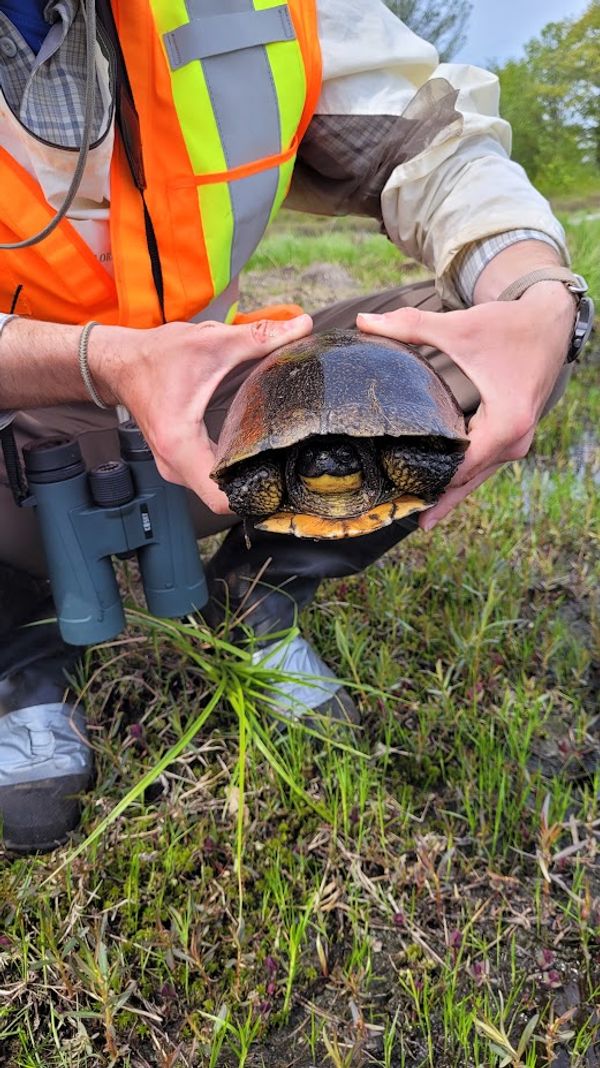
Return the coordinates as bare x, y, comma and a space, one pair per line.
210, 187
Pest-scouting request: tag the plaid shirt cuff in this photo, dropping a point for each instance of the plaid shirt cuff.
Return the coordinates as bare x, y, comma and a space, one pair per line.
5, 318
6, 418
474, 258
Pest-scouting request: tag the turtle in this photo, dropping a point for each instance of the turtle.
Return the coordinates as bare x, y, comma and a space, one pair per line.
338, 435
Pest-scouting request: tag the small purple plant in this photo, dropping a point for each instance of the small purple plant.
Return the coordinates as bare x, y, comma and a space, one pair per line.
479, 971
136, 733
545, 958
455, 940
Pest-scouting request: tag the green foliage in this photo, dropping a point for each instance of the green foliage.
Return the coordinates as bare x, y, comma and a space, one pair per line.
551, 97
441, 23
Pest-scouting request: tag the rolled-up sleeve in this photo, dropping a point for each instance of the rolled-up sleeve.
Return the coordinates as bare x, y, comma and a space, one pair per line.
444, 178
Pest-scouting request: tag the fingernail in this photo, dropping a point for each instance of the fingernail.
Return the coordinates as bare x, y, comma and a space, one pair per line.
275, 327
370, 317
287, 324
429, 524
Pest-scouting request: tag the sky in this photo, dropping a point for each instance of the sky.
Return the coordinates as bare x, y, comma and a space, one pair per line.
499, 28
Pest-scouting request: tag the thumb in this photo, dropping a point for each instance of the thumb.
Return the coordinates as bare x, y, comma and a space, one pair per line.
252, 340
413, 326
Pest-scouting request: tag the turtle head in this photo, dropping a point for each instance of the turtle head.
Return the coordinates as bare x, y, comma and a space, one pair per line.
329, 467
333, 476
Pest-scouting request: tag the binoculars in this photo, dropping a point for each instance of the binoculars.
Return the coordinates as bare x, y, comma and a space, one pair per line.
122, 508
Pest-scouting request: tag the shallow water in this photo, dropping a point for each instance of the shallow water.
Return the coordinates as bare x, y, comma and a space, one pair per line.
539, 479
585, 456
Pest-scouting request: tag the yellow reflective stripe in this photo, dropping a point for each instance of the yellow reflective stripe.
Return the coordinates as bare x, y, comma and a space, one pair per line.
202, 140
289, 77
218, 225
191, 97
231, 314
285, 177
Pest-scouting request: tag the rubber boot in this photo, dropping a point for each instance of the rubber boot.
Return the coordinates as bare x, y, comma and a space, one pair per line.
45, 759
262, 580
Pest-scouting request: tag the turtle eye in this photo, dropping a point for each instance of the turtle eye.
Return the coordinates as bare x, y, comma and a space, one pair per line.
254, 488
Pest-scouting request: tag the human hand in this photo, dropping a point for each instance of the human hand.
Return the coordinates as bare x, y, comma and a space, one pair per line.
513, 352
166, 376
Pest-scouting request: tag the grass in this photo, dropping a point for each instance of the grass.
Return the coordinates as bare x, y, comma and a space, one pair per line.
427, 894
365, 253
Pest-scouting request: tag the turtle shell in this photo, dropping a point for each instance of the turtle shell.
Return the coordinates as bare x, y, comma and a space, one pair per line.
338, 382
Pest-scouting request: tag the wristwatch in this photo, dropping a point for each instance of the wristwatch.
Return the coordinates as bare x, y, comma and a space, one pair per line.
584, 319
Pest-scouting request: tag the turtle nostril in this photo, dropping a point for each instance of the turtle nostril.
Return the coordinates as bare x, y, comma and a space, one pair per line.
328, 456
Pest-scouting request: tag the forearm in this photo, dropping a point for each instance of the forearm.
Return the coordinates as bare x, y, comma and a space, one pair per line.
39, 362
515, 262
39, 365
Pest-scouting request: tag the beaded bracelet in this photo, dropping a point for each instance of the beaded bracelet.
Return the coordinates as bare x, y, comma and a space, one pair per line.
84, 368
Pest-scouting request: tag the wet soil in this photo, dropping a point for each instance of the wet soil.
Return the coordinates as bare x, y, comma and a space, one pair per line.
312, 288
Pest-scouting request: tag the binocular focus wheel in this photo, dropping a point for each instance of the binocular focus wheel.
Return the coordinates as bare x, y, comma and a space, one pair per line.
111, 484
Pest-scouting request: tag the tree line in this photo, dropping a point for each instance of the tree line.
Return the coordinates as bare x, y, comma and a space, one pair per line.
551, 96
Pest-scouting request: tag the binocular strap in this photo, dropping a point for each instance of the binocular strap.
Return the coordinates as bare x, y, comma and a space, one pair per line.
14, 471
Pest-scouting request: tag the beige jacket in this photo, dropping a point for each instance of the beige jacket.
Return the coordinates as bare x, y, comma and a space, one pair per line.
458, 188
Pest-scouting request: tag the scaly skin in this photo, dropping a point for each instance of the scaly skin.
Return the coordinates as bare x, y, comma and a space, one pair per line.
256, 488
416, 467
421, 467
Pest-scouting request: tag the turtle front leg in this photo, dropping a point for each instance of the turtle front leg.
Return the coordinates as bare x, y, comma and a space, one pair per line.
421, 467
255, 488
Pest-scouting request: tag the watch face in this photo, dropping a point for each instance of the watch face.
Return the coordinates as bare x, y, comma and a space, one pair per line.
584, 325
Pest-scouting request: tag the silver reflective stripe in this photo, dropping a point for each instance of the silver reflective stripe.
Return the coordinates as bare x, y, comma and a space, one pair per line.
246, 108
219, 308
201, 38
43, 742
252, 201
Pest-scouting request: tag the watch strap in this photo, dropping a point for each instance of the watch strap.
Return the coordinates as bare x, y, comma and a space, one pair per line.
574, 282
584, 314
